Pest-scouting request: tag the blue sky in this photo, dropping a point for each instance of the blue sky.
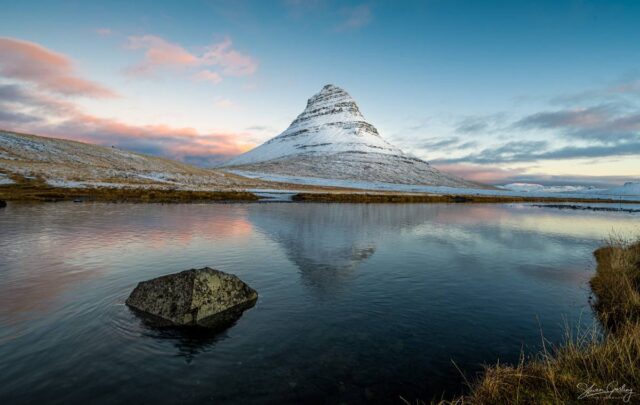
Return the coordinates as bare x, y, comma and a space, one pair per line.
497, 91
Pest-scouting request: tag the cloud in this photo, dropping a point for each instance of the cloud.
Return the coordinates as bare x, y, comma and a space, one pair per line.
208, 76
479, 124
298, 8
482, 174
160, 54
530, 151
104, 32
444, 144
223, 103
605, 123
232, 62
26, 110
625, 87
355, 17
50, 71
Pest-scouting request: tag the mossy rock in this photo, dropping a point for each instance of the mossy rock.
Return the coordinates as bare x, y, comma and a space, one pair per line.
197, 297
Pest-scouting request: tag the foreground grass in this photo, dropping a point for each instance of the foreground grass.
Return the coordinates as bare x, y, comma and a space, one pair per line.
593, 367
37, 190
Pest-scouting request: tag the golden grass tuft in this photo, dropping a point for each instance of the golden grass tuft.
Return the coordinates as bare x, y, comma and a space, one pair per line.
603, 358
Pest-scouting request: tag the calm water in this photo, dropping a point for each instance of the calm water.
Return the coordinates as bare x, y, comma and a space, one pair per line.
357, 302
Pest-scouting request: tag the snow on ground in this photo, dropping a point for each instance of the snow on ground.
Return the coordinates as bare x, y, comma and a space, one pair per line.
5, 180
628, 189
66, 183
405, 188
533, 187
64, 163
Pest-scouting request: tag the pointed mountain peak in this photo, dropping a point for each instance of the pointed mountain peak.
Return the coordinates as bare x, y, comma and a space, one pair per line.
331, 139
331, 123
330, 94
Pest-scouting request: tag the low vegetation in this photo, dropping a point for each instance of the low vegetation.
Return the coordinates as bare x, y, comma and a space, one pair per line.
602, 364
36, 189
344, 197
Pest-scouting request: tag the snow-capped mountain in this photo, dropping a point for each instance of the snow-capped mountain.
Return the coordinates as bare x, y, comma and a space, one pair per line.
331, 139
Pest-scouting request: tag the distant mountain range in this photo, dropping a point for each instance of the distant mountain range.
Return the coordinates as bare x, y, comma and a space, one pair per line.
331, 139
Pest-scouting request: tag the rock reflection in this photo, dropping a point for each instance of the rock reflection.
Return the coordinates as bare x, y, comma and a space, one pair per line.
189, 341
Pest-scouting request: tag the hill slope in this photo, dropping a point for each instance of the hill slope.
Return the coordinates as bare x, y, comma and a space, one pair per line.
69, 163
331, 139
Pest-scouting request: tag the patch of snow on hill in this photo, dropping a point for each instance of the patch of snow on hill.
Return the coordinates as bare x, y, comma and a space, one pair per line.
5, 180
533, 187
628, 189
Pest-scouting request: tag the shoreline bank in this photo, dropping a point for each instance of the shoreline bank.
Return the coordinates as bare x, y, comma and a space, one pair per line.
41, 192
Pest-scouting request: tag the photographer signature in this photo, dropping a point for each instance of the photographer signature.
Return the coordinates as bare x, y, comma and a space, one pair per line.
611, 391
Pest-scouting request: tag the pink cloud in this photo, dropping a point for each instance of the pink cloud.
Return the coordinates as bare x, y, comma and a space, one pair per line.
47, 70
26, 110
159, 53
162, 54
208, 76
479, 173
232, 62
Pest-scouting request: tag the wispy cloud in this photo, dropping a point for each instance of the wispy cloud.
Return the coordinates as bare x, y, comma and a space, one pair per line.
210, 64
104, 32
208, 76
222, 102
354, 17
480, 123
47, 70
299, 8
606, 123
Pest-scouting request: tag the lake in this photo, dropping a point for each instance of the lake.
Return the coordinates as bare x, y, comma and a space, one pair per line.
357, 302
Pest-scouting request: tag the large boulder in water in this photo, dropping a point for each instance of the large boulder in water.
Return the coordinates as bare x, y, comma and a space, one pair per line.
203, 297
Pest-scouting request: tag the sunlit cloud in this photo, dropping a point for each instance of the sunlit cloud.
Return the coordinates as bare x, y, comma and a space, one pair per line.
479, 173
47, 70
29, 112
32, 106
219, 59
208, 76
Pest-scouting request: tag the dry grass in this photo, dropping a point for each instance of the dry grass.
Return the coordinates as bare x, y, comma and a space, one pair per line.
346, 197
607, 360
37, 190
